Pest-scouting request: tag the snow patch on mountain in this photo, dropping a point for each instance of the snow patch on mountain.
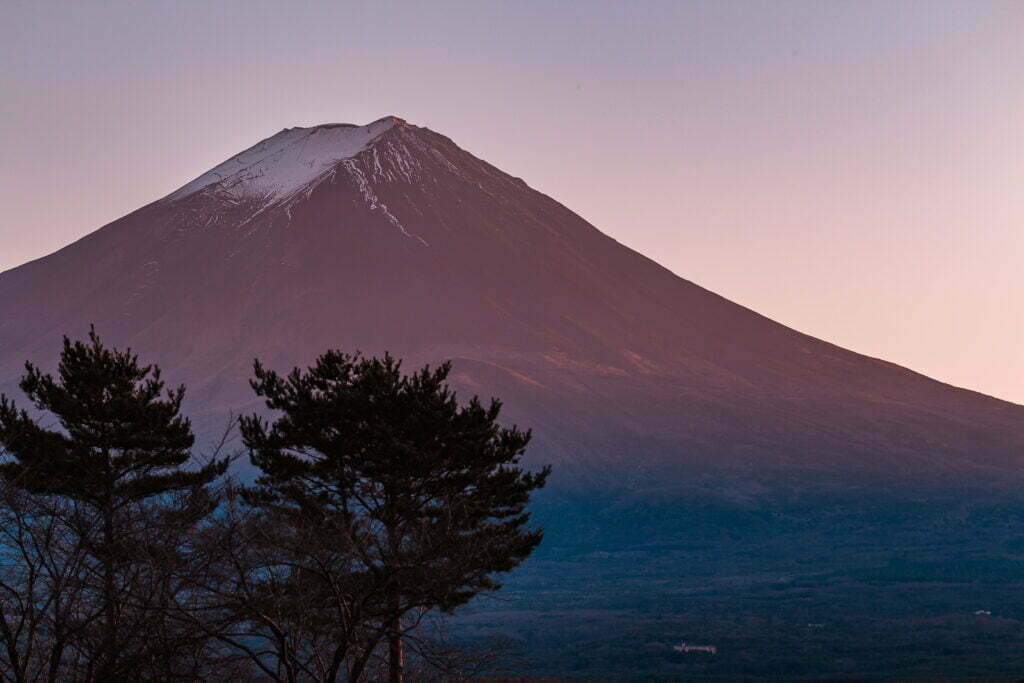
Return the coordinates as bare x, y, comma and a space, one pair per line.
374, 202
285, 163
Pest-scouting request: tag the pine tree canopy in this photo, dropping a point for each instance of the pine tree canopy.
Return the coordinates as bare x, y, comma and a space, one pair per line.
122, 438
433, 491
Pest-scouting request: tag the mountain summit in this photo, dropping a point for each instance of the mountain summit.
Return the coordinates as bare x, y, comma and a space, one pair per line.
390, 237
285, 163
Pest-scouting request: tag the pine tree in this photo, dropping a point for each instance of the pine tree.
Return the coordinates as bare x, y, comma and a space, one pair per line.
428, 492
119, 455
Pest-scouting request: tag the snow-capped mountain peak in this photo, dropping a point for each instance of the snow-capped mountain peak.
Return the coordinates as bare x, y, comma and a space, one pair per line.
391, 238
284, 163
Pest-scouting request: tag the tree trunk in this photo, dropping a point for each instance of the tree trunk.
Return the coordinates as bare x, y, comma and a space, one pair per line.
108, 651
396, 657
396, 654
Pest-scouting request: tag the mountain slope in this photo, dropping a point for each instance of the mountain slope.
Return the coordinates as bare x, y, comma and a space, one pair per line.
391, 237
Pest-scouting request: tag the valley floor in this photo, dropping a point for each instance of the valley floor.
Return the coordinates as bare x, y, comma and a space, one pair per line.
929, 590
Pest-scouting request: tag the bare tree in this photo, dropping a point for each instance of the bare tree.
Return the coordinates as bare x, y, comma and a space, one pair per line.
43, 576
436, 654
270, 588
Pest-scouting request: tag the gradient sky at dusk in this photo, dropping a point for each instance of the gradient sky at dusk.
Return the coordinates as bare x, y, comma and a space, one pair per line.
852, 169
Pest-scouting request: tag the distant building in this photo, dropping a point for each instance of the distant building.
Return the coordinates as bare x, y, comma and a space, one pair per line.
687, 647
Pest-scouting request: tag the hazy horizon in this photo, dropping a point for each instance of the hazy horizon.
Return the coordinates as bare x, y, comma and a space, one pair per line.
847, 169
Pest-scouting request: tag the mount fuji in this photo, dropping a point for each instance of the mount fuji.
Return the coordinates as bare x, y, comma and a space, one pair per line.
390, 237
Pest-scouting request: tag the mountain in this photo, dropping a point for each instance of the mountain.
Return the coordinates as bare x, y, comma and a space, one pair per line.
390, 237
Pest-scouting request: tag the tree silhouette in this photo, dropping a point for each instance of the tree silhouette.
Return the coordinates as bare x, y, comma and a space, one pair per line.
118, 456
422, 497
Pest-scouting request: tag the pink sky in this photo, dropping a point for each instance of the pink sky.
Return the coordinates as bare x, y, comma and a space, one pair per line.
851, 169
